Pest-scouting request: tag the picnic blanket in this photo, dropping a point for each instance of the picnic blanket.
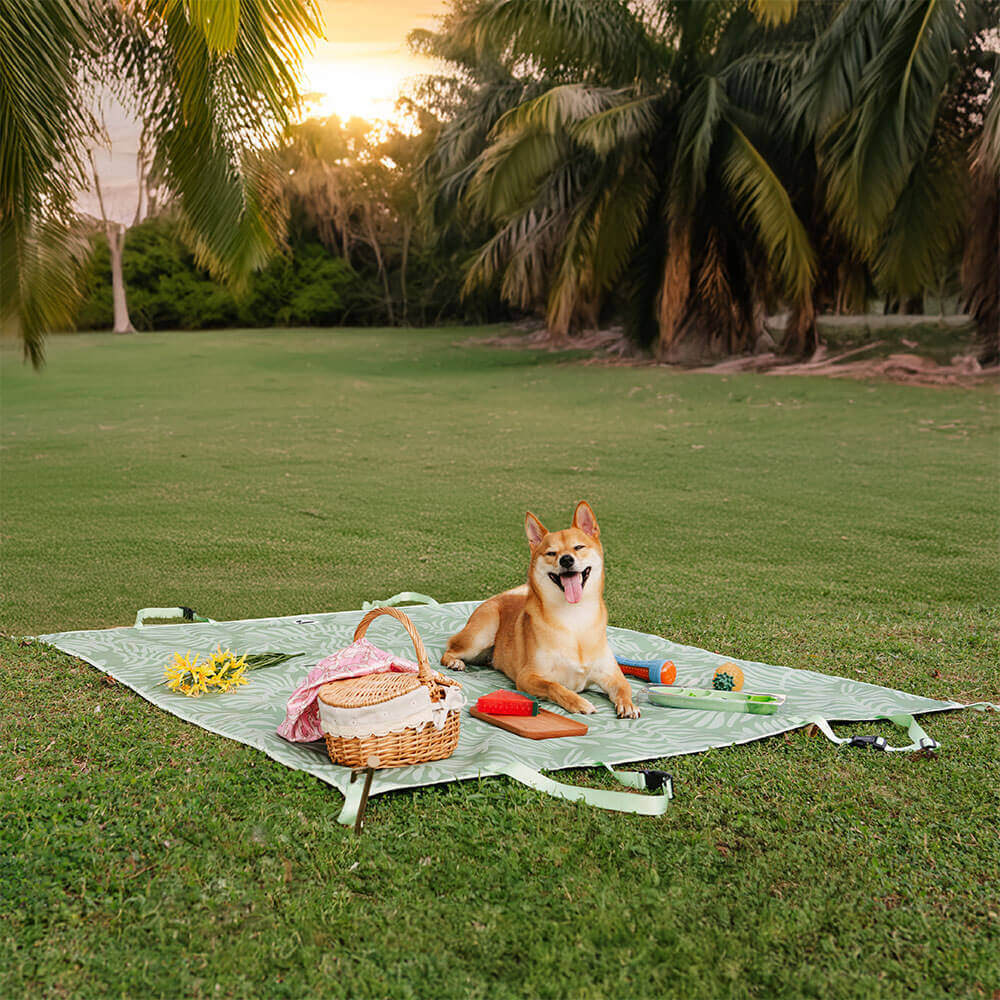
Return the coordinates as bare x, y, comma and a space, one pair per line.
252, 714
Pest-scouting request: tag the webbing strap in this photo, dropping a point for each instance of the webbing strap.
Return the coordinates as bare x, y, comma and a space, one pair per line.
406, 597
920, 739
352, 803
643, 805
186, 613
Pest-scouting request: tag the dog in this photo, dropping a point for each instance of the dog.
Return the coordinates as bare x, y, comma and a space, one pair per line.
549, 636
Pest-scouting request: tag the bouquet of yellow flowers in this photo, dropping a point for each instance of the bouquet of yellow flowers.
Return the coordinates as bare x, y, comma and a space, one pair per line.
222, 670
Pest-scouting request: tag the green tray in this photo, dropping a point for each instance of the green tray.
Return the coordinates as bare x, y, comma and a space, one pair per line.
716, 701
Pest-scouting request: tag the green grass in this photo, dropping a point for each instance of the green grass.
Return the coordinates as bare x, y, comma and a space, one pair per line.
841, 526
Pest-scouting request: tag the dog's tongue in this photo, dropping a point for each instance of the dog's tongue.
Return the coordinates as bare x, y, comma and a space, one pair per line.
572, 584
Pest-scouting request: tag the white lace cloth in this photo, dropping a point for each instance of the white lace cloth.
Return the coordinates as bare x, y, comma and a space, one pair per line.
412, 710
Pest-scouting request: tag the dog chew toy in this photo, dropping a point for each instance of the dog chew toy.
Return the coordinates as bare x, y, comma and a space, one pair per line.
727, 677
655, 671
507, 703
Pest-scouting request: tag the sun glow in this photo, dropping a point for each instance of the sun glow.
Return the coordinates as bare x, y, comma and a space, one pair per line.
355, 87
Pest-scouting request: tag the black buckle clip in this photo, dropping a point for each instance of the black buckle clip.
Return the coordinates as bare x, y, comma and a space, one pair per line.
187, 614
655, 780
875, 742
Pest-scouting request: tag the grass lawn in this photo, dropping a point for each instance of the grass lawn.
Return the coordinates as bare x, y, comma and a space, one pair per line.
841, 526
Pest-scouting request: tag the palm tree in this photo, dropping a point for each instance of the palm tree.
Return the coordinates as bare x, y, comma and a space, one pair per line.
885, 98
981, 262
695, 162
213, 83
647, 171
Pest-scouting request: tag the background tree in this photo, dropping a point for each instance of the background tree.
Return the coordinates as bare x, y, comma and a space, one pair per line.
213, 82
691, 165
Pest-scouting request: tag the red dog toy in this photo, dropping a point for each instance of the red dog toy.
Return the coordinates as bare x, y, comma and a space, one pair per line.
507, 703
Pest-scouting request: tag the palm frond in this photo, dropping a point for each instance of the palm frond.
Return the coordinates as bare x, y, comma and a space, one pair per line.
697, 131
211, 113
585, 39
40, 263
828, 84
619, 219
44, 129
763, 202
774, 12
925, 229
868, 157
987, 149
509, 171
618, 126
559, 108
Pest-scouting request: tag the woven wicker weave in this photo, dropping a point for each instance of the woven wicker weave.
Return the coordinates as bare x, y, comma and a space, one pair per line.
409, 746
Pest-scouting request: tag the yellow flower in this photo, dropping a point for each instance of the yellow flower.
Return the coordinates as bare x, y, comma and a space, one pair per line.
187, 675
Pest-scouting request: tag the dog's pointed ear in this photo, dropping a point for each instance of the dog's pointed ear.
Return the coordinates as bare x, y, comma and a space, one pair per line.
584, 520
534, 529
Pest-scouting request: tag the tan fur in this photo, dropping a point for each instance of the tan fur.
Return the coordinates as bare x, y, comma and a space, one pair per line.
547, 646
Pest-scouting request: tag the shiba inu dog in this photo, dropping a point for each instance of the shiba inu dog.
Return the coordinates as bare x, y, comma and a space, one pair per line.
549, 636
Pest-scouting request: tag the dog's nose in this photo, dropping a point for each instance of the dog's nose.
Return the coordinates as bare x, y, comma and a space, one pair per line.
566, 561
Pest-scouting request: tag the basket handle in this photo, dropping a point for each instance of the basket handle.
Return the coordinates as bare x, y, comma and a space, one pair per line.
423, 665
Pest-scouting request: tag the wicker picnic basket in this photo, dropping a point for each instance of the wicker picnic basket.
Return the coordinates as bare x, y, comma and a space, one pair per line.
428, 702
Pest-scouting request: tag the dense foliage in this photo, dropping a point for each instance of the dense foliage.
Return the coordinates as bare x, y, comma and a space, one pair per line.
213, 84
683, 167
691, 164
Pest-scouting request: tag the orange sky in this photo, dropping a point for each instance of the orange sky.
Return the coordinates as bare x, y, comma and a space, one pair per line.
364, 60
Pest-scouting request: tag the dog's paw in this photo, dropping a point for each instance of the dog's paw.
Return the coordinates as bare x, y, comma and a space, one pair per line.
626, 710
452, 662
579, 706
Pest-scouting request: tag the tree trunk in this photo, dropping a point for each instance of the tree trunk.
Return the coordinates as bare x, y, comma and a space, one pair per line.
116, 244
402, 272
801, 339
373, 240
675, 289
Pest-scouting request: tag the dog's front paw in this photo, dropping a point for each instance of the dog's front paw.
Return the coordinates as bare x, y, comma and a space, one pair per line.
626, 710
578, 705
452, 662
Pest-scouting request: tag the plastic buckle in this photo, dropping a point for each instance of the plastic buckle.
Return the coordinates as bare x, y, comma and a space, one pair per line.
928, 744
875, 742
187, 614
655, 780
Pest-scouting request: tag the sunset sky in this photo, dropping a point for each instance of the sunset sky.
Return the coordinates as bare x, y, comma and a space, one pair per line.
358, 69
364, 61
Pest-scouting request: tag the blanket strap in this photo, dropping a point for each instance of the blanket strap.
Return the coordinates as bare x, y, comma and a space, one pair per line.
643, 805
406, 597
920, 739
186, 613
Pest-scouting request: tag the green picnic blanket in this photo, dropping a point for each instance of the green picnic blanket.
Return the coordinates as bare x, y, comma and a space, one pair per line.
136, 657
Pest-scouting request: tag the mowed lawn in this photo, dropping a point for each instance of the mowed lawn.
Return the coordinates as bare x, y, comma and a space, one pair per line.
839, 526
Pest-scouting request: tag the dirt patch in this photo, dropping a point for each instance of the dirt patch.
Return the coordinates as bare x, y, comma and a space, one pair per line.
612, 347
913, 369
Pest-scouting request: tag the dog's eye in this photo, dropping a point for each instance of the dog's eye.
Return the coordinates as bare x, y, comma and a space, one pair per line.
578, 547
552, 553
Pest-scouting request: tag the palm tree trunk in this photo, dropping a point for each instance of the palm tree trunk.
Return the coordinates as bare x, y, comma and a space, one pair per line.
800, 334
116, 244
675, 290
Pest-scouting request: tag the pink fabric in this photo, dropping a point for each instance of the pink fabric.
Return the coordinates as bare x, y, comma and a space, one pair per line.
301, 723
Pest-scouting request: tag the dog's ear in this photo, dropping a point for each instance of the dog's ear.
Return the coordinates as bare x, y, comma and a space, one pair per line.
584, 520
534, 529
